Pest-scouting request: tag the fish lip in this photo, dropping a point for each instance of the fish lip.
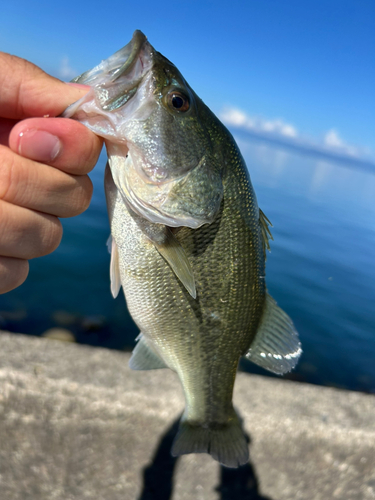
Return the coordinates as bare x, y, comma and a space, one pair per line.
137, 42
116, 79
111, 69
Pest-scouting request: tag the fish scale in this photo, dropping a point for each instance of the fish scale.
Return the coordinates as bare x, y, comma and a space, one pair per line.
179, 324
187, 243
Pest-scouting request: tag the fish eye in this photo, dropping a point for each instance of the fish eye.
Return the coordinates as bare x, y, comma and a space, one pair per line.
178, 101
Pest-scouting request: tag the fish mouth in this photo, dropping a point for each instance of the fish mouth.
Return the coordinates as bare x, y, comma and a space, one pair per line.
116, 79
135, 45
120, 63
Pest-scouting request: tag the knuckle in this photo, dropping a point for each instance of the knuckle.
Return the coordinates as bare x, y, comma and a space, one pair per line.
80, 197
51, 237
86, 192
27, 234
8, 173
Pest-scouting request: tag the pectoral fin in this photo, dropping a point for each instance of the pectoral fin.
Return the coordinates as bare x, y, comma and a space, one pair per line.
170, 248
144, 357
176, 257
276, 346
114, 268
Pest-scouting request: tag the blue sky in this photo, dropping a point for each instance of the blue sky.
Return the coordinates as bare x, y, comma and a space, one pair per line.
304, 69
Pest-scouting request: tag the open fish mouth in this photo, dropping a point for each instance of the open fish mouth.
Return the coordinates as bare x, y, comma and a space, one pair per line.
116, 79
120, 63
135, 45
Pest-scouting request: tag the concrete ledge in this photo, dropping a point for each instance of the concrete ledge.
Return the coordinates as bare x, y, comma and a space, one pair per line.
76, 423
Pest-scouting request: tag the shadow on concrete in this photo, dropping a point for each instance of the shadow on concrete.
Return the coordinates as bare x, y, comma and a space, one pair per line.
158, 477
235, 484
239, 484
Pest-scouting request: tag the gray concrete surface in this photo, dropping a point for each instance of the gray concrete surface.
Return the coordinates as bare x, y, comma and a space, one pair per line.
76, 423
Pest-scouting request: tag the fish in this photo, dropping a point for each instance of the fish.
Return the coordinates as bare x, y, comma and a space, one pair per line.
188, 242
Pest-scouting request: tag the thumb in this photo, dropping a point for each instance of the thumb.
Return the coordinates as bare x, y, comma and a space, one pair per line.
27, 91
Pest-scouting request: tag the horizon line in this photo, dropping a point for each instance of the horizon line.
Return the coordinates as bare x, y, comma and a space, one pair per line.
303, 147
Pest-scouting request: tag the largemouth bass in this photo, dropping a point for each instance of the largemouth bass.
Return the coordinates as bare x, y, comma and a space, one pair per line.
188, 242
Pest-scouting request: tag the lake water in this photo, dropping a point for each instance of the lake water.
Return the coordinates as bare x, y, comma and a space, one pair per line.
321, 269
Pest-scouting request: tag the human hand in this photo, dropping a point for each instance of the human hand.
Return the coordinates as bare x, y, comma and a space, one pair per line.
43, 165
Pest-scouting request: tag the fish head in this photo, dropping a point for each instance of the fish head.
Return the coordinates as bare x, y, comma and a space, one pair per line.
162, 151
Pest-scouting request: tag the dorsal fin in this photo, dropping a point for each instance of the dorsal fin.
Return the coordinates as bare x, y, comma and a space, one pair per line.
266, 232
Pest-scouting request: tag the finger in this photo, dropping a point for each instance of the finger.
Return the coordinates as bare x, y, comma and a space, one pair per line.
28, 91
13, 272
25, 234
36, 186
6, 126
63, 143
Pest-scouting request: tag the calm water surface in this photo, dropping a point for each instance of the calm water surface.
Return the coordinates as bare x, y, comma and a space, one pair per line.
321, 269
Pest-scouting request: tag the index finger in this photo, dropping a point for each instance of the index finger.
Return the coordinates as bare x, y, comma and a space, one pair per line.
27, 91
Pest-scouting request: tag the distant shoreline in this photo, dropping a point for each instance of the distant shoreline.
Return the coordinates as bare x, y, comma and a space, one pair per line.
303, 147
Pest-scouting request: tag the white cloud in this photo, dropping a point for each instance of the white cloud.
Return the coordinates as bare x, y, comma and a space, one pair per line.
236, 117
333, 140
65, 71
278, 129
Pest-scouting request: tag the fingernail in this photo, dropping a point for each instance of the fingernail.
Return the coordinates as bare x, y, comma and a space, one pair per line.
39, 145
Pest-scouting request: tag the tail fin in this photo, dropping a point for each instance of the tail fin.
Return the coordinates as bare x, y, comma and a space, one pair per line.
226, 443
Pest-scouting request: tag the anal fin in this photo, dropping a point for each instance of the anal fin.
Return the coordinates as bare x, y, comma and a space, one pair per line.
144, 357
276, 346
